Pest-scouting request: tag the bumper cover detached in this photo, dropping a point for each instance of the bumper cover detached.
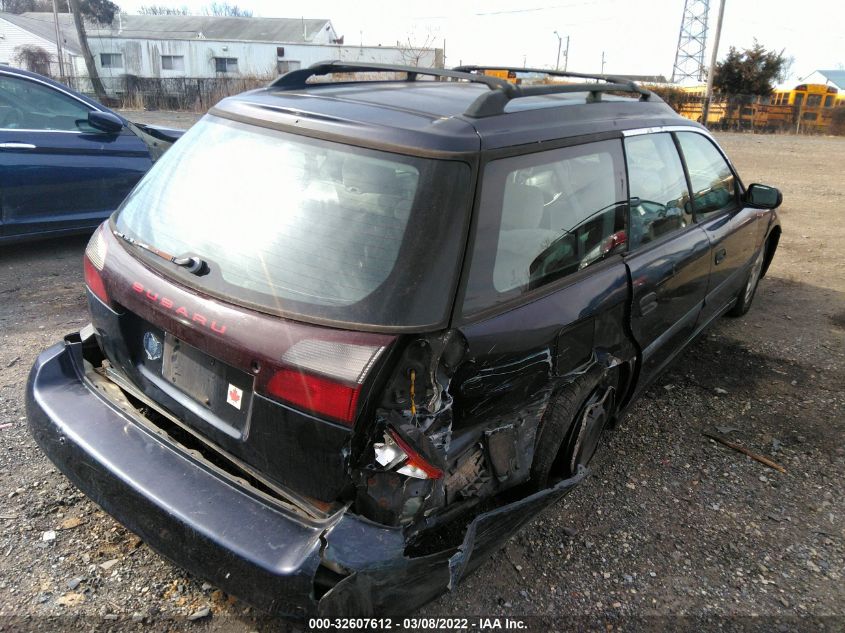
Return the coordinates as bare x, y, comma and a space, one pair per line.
220, 531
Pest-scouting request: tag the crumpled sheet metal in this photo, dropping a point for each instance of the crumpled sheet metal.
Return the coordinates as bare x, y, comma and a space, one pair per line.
398, 585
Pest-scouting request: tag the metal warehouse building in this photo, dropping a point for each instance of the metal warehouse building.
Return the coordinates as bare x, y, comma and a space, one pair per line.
176, 46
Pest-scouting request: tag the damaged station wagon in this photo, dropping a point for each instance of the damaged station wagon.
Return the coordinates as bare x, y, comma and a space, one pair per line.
348, 336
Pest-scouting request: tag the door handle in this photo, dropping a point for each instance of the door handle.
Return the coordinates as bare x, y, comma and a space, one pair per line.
720, 255
17, 146
648, 302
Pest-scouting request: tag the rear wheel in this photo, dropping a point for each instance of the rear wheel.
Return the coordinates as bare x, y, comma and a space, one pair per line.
746, 294
571, 427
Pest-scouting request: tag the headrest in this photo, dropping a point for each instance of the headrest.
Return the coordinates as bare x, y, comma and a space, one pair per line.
522, 207
363, 176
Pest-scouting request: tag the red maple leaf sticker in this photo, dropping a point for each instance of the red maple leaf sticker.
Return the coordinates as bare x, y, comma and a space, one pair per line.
234, 395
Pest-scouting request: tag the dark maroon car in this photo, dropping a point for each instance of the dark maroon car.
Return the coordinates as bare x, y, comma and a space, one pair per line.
347, 337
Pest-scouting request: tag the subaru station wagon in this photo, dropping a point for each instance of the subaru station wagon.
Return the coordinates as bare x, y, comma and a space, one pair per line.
347, 336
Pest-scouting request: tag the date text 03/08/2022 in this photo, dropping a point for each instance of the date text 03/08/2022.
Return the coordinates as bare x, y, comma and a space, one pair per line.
477, 623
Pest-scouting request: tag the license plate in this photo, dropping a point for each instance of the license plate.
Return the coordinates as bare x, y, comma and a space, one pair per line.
222, 389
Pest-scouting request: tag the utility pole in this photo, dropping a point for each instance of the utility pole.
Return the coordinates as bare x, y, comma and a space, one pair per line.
59, 43
566, 54
708, 95
602, 62
559, 42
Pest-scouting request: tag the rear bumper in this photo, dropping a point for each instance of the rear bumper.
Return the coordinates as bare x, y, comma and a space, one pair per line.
187, 513
221, 532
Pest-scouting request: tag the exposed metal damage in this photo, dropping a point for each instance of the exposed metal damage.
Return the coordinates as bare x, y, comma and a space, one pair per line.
400, 582
407, 563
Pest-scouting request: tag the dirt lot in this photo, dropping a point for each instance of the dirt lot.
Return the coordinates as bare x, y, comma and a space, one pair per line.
672, 528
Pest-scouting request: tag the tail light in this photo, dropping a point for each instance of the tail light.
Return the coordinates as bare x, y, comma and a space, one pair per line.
324, 377
93, 263
620, 238
394, 451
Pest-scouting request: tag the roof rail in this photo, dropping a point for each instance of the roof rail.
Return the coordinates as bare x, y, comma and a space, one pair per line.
298, 78
488, 104
494, 102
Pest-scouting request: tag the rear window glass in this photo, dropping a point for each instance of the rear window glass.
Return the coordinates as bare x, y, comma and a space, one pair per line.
306, 227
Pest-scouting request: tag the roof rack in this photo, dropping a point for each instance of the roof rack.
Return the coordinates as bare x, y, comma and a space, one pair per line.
298, 78
495, 102
488, 104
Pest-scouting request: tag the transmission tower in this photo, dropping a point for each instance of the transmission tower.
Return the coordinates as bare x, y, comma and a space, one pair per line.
689, 58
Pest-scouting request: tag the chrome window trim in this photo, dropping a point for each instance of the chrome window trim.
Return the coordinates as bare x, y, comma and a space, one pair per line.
666, 128
42, 131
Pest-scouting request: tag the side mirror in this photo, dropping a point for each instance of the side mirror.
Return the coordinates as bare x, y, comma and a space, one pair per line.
763, 196
105, 122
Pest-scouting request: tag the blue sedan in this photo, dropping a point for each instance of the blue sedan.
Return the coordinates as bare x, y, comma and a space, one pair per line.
66, 161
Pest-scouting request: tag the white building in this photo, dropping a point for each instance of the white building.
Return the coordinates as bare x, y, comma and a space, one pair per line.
17, 31
176, 46
835, 78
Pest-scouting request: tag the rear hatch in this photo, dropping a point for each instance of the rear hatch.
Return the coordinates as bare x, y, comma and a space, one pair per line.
254, 284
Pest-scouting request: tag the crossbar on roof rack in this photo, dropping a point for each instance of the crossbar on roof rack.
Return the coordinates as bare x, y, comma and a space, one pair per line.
299, 78
467, 68
492, 103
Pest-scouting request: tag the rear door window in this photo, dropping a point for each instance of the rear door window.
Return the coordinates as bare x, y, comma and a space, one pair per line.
544, 216
658, 186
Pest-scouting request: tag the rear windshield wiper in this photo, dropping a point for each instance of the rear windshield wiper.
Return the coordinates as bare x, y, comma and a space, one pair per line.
191, 263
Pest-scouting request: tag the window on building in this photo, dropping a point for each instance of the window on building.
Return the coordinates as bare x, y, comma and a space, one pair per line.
226, 64
285, 66
111, 60
828, 101
172, 62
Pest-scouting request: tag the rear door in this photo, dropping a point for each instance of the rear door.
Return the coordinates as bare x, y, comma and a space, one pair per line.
547, 285
669, 253
732, 230
56, 172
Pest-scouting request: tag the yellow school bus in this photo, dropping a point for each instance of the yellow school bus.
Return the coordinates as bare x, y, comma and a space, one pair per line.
806, 107
811, 105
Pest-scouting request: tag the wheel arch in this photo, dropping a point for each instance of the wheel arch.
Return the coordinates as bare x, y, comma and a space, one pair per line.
771, 245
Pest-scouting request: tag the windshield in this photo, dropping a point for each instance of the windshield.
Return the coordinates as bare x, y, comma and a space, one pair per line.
300, 226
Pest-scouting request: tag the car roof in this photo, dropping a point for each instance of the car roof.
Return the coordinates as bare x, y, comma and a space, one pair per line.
429, 117
9, 70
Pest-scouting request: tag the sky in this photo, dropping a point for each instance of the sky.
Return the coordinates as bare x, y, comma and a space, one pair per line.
634, 36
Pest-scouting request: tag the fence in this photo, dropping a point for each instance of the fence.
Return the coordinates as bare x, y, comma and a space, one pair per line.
195, 94
758, 114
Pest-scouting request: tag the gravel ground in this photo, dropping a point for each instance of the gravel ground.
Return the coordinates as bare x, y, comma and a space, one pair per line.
672, 529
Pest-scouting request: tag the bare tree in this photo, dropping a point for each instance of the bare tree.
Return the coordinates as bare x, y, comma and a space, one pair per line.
23, 6
160, 9
102, 12
227, 10
412, 52
33, 58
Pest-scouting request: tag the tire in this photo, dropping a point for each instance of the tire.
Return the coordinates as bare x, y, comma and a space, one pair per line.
571, 427
749, 288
